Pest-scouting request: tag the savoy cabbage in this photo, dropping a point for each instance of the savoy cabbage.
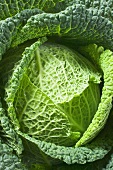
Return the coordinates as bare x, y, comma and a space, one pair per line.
56, 84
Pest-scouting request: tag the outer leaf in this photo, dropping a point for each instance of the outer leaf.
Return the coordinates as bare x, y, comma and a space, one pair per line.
16, 78
78, 23
10, 27
8, 160
8, 133
106, 64
75, 21
10, 8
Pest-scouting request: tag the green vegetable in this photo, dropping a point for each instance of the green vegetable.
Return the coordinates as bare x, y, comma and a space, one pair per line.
56, 84
8, 160
54, 90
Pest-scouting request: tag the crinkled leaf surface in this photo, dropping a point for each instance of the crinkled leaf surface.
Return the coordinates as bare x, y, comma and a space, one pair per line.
39, 116
87, 21
46, 147
95, 150
59, 99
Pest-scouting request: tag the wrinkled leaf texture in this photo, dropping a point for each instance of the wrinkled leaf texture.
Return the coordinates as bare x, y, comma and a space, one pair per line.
15, 30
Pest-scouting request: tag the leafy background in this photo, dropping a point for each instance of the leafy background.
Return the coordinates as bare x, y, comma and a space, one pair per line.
12, 28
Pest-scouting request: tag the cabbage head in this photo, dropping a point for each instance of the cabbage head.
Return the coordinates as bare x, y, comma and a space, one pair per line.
58, 95
56, 84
